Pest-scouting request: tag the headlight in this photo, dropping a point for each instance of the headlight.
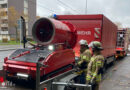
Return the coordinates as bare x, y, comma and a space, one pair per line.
22, 75
51, 47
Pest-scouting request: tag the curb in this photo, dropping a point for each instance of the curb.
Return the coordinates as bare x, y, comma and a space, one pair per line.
7, 49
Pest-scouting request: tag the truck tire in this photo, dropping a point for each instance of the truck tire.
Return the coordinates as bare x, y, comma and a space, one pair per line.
114, 59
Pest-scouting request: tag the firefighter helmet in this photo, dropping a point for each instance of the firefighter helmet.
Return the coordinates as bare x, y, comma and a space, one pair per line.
96, 45
83, 42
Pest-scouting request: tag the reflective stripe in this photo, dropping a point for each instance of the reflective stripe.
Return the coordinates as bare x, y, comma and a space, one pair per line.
80, 72
98, 78
92, 59
96, 36
94, 74
84, 57
88, 77
79, 62
99, 63
97, 30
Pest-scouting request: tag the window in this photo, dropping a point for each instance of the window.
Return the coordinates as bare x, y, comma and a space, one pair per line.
3, 13
3, 5
5, 21
27, 25
26, 3
26, 11
26, 7
4, 28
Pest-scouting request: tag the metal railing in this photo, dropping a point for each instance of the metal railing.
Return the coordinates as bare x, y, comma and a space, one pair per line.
55, 83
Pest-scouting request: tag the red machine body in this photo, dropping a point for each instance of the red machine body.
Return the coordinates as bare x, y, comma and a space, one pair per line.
50, 31
55, 61
93, 28
47, 32
122, 43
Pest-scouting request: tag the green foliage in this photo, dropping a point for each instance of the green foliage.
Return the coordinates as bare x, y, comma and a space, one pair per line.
10, 43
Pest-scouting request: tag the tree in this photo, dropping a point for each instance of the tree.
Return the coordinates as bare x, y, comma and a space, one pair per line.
37, 17
13, 17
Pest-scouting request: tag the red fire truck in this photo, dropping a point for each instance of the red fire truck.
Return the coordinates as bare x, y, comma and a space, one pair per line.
122, 43
94, 28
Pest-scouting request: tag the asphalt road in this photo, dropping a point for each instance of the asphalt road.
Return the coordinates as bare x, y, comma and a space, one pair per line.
117, 76
10, 85
4, 54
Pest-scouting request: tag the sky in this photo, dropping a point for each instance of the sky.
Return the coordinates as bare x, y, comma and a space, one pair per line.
117, 11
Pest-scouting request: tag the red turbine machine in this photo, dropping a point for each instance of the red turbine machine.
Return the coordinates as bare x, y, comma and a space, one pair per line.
54, 42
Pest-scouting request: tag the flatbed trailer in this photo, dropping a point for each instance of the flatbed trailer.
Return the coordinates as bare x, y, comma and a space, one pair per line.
62, 81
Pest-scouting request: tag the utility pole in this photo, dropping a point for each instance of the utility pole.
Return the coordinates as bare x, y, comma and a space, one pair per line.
86, 7
23, 31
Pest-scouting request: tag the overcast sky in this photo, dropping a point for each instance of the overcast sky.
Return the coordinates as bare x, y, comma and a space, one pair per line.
115, 10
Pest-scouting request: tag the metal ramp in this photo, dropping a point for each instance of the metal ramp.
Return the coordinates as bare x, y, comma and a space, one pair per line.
63, 81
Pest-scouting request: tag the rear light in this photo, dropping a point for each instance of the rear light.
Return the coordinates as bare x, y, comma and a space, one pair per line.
45, 88
5, 59
1, 79
33, 69
29, 69
5, 66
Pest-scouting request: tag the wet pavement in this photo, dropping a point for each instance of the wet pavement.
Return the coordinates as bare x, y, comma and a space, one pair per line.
7, 85
117, 76
4, 54
9, 47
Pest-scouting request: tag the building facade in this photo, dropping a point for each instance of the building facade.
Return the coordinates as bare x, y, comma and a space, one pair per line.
22, 8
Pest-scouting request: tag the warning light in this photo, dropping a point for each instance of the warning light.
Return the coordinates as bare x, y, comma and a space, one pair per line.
45, 88
55, 16
1, 79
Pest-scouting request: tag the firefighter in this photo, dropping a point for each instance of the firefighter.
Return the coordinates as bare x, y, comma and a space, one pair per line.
95, 65
85, 55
